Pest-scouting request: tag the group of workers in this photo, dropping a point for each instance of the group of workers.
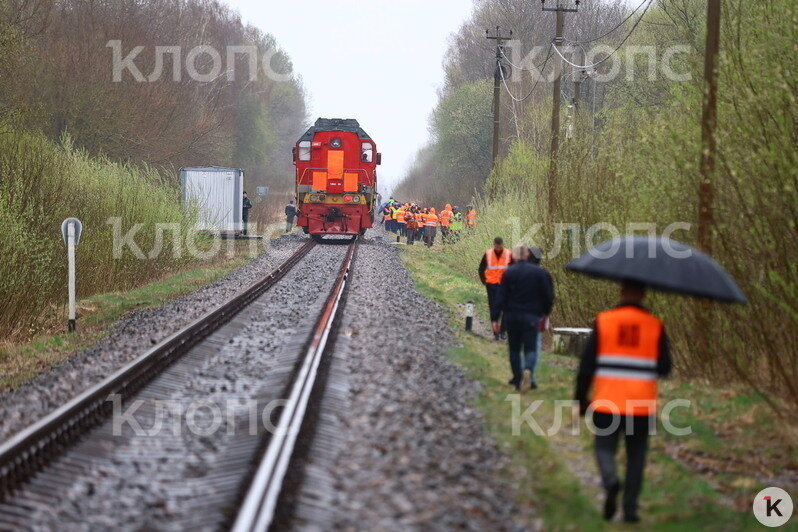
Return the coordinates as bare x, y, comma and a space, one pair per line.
416, 223
625, 354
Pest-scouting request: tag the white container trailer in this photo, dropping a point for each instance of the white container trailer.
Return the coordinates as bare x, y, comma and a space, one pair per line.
217, 194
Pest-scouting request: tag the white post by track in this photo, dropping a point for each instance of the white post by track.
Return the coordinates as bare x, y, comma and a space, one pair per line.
71, 229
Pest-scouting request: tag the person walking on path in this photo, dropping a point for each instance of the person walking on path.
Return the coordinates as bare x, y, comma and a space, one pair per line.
532, 358
246, 205
494, 263
623, 358
290, 216
525, 294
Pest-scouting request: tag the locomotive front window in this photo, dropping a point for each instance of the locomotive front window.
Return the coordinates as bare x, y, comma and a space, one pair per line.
367, 152
304, 150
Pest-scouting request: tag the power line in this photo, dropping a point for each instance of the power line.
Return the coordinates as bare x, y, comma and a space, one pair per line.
597, 63
518, 67
621, 23
514, 97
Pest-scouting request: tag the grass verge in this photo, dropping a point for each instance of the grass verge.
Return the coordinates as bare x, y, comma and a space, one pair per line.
705, 480
96, 315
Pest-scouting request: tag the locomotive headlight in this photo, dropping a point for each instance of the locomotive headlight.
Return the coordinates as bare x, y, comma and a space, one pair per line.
317, 198
336, 143
355, 199
348, 199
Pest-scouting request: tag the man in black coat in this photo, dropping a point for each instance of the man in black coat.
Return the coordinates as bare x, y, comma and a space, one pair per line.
290, 215
526, 295
245, 207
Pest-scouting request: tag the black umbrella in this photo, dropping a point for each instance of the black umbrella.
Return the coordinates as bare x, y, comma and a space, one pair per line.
661, 264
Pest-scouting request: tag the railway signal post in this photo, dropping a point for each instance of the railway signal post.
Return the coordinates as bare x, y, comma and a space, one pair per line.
71, 228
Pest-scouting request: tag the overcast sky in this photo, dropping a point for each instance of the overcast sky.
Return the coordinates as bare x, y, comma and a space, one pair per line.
378, 61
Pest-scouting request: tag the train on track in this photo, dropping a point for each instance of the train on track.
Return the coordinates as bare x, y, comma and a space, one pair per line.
336, 178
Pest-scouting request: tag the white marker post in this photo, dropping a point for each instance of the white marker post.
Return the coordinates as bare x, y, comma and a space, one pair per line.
469, 316
71, 228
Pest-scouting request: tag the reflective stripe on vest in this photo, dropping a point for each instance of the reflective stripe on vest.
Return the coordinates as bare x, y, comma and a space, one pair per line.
400, 216
627, 353
471, 218
496, 266
431, 220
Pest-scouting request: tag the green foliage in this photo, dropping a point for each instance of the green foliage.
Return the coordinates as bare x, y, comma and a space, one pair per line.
452, 168
41, 185
636, 161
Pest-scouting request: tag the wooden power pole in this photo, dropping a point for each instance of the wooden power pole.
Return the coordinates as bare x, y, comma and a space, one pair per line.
497, 85
555, 110
709, 120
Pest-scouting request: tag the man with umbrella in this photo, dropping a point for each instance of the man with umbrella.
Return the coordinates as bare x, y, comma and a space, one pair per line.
628, 349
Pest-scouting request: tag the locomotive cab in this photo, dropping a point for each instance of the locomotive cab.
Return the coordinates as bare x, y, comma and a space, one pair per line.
336, 178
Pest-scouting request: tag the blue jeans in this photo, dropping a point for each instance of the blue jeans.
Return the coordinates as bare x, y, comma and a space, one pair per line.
522, 333
531, 358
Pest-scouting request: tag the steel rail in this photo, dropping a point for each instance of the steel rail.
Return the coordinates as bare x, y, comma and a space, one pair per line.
258, 508
25, 453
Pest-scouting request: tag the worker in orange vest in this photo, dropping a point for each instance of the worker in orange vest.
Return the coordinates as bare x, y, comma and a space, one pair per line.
411, 222
625, 355
471, 216
430, 227
494, 263
446, 221
400, 222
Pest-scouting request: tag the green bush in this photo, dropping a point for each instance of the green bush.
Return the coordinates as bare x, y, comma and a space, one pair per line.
41, 184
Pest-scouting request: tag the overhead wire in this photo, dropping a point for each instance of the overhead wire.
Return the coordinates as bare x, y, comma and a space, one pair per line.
597, 63
507, 88
621, 23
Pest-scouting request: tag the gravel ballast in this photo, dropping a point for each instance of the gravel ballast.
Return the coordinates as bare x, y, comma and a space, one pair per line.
398, 442
410, 450
129, 338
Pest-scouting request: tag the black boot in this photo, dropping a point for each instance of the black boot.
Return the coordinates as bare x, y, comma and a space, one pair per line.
611, 502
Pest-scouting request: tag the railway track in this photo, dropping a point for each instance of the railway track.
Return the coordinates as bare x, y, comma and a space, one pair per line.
32, 452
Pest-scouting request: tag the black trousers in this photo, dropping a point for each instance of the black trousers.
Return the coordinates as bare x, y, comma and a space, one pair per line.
493, 292
635, 430
245, 219
522, 333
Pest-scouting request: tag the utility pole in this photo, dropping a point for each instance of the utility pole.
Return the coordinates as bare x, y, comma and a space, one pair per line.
497, 83
555, 110
709, 120
706, 191
578, 77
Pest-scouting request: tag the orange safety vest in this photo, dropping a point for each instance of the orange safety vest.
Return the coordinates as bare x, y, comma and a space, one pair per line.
471, 218
496, 265
400, 216
386, 216
628, 350
431, 220
410, 220
446, 217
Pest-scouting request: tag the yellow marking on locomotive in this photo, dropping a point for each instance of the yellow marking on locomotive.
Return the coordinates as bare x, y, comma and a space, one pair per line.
335, 199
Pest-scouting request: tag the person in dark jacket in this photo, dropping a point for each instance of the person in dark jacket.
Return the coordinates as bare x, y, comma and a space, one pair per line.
525, 295
625, 355
532, 359
245, 207
290, 215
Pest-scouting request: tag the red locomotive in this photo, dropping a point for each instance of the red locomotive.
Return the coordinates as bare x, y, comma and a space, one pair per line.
336, 178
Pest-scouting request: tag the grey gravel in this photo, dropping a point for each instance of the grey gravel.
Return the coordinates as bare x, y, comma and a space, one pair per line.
129, 338
171, 479
411, 451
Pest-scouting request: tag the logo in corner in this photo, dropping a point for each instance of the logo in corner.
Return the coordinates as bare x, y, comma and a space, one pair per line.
773, 507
